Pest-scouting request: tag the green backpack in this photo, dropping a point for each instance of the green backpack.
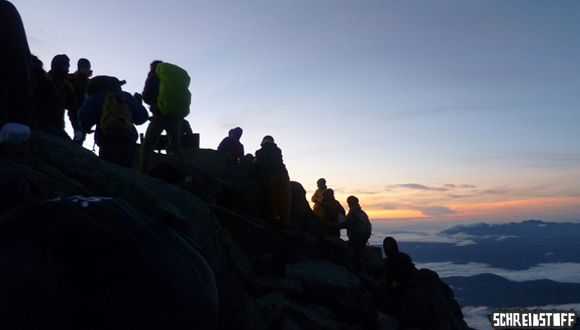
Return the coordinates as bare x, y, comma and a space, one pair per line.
174, 96
116, 119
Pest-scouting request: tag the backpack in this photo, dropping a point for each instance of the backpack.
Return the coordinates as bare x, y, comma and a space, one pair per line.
116, 119
364, 227
174, 97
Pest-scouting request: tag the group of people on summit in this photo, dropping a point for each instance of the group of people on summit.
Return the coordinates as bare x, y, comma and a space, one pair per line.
30, 97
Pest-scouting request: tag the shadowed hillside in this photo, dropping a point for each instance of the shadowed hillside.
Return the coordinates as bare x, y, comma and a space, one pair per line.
267, 277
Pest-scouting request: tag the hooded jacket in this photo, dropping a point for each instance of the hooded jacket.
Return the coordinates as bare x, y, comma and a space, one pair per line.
232, 145
269, 160
401, 274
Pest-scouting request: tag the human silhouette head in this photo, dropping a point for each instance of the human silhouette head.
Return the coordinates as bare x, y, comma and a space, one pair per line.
267, 139
154, 64
328, 195
84, 67
235, 133
390, 246
321, 183
60, 65
352, 201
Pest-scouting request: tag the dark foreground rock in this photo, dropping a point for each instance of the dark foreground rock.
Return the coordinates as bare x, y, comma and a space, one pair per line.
267, 277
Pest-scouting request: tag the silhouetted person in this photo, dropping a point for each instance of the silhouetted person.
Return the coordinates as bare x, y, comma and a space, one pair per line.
332, 210
47, 105
271, 171
16, 100
80, 83
232, 145
187, 136
169, 99
318, 206
401, 275
115, 146
59, 68
358, 229
356, 223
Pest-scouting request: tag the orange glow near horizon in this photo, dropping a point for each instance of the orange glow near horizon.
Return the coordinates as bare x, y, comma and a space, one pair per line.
391, 214
513, 208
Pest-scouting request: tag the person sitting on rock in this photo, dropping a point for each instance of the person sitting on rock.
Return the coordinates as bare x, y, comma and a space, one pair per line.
232, 145
401, 275
188, 139
270, 169
318, 207
358, 229
332, 211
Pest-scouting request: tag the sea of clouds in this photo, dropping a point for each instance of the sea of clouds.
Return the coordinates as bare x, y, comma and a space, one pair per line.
477, 316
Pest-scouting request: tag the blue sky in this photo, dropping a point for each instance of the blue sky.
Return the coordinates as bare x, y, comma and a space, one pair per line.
449, 111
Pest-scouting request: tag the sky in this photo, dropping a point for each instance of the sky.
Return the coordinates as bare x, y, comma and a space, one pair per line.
428, 111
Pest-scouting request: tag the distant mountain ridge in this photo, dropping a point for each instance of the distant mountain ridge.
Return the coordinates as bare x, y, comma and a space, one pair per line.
522, 229
516, 246
497, 292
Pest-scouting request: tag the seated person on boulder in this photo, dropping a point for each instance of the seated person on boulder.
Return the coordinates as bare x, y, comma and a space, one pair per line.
269, 168
401, 275
232, 145
358, 228
332, 210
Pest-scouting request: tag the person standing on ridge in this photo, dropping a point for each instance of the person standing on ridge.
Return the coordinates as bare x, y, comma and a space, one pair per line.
80, 82
114, 112
59, 68
318, 206
273, 174
167, 92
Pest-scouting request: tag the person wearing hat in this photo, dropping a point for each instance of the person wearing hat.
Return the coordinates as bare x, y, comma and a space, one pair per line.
80, 82
114, 147
270, 169
16, 101
59, 68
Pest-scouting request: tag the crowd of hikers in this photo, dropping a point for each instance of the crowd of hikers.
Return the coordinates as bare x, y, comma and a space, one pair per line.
30, 97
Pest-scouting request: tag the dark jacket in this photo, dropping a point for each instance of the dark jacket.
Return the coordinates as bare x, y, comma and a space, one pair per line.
401, 274
232, 145
151, 92
269, 161
92, 110
48, 114
67, 98
16, 100
352, 222
80, 83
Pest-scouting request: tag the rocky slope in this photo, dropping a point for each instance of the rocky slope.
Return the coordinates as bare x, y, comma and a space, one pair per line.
267, 277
